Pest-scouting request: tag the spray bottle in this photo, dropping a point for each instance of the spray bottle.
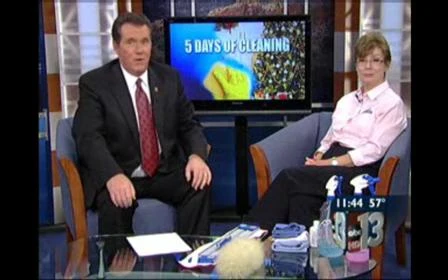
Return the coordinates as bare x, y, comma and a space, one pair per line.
333, 186
326, 244
363, 181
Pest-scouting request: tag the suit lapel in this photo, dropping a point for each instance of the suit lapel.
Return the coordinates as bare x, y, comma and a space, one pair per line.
121, 93
157, 99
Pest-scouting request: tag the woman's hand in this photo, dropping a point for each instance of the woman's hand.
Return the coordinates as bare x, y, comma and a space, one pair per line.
318, 155
317, 162
344, 160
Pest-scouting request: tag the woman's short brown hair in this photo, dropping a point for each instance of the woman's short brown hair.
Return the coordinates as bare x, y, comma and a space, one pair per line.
368, 42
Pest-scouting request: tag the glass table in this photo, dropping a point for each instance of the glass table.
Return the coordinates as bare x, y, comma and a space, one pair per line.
112, 257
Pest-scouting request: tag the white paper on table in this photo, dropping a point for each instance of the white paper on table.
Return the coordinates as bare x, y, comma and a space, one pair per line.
158, 244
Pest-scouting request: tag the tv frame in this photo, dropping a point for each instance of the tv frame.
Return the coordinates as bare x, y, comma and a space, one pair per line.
296, 106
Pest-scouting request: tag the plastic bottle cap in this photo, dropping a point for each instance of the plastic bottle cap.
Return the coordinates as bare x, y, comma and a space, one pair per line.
316, 223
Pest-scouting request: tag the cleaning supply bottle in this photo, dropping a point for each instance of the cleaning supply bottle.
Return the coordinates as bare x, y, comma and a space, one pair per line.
363, 181
334, 187
314, 233
327, 246
354, 232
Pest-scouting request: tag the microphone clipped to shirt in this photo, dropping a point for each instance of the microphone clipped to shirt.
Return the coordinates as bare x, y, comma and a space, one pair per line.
359, 96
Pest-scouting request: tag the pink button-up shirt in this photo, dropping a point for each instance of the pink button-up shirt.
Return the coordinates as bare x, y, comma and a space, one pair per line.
368, 123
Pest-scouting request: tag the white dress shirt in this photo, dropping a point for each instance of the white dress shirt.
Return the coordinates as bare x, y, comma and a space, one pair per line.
131, 82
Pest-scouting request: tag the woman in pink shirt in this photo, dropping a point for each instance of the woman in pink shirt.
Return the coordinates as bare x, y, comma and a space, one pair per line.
365, 122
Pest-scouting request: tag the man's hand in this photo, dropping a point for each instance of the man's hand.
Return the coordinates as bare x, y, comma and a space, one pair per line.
198, 172
121, 191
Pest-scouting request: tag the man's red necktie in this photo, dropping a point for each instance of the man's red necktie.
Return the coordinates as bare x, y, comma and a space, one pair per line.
148, 138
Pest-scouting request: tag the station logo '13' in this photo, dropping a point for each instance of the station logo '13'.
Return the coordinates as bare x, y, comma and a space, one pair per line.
371, 230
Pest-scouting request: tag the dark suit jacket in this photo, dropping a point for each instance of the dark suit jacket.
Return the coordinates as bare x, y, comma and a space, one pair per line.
106, 132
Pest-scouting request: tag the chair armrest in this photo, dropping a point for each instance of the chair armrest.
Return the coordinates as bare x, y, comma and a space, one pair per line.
386, 174
383, 188
76, 193
399, 188
262, 170
285, 148
401, 147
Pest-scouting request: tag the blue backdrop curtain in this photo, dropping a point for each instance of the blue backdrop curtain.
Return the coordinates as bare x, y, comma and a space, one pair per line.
46, 216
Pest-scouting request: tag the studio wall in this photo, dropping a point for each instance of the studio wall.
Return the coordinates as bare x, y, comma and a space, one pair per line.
220, 130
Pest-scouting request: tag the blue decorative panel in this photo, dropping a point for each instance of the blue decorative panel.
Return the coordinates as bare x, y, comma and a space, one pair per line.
45, 182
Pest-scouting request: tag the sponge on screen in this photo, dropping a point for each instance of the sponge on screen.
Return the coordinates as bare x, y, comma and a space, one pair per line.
212, 84
225, 82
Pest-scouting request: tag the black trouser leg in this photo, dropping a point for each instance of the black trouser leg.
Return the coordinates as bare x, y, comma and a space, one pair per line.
294, 196
193, 207
193, 213
307, 194
273, 206
113, 219
297, 194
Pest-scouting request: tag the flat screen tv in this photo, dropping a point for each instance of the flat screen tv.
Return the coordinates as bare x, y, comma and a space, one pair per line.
244, 64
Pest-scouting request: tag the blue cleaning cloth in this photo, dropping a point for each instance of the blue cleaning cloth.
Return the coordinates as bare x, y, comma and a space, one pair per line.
287, 230
297, 258
299, 244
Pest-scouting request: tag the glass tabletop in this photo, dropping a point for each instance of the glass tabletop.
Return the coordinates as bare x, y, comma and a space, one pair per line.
112, 257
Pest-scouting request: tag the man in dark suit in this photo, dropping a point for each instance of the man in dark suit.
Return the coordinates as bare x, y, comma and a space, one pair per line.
113, 123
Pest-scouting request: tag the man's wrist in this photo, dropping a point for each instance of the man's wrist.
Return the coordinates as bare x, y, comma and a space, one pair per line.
193, 155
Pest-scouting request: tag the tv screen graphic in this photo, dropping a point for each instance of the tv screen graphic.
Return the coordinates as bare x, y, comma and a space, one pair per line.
242, 64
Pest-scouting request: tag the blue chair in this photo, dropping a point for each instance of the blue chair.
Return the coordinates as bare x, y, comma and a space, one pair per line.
151, 216
290, 145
